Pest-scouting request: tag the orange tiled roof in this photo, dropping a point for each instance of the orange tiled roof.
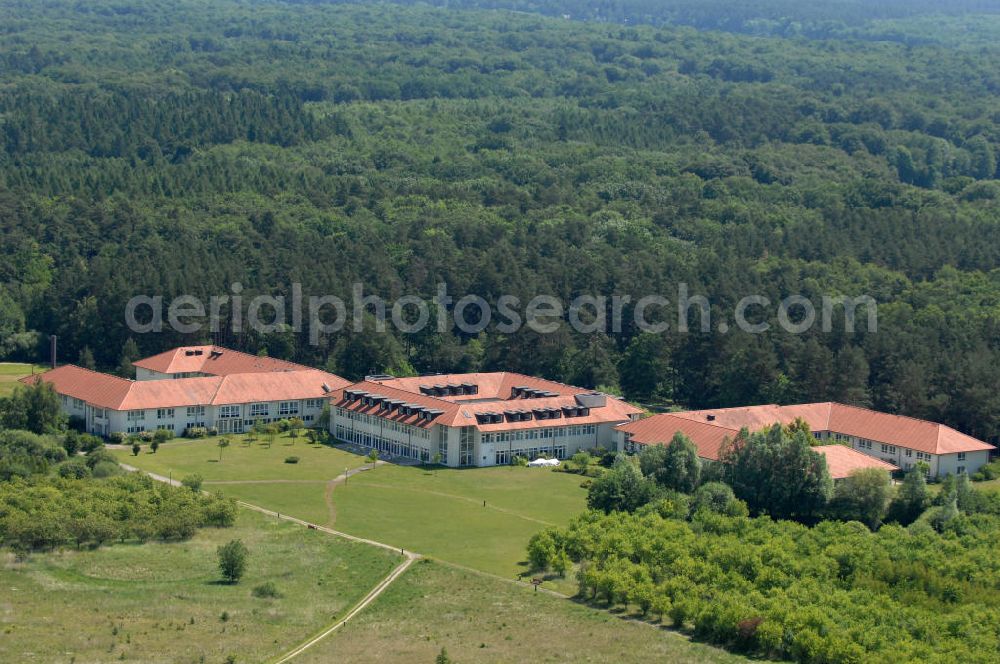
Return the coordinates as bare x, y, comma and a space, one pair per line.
213, 360
493, 397
492, 385
106, 391
841, 460
98, 389
908, 432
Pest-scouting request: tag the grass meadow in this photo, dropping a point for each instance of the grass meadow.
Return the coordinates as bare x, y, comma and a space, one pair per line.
435, 512
11, 372
482, 619
164, 602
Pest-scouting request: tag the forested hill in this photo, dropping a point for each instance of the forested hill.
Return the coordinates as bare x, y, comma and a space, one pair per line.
153, 147
895, 20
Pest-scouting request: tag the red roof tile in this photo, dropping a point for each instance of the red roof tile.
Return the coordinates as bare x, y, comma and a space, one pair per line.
98, 389
492, 385
213, 360
107, 391
493, 397
841, 460
898, 430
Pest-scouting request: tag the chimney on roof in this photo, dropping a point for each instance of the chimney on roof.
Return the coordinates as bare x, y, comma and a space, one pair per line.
52, 350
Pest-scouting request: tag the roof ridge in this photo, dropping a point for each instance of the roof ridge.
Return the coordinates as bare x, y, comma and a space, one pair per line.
93, 371
879, 412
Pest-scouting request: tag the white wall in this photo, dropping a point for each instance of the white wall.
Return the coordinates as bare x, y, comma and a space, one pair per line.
950, 463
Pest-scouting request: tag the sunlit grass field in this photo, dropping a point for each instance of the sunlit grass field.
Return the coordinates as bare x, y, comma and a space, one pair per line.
11, 372
164, 602
436, 512
482, 619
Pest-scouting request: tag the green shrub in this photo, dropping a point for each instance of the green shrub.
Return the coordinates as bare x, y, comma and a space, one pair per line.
195, 432
89, 442
266, 590
291, 459
103, 469
192, 482
75, 469
990, 471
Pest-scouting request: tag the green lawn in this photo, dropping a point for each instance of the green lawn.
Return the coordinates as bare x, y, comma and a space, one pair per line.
11, 372
438, 513
482, 619
243, 461
160, 602
441, 513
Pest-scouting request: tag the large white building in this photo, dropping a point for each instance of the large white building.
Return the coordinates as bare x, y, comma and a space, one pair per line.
478, 419
200, 386
892, 439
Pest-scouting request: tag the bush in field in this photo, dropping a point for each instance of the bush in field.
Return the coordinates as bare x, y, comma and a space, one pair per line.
291, 459
233, 560
47, 512
104, 469
162, 435
266, 590
74, 469
192, 482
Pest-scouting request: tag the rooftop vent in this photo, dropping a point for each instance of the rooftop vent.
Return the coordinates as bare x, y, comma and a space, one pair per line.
710, 418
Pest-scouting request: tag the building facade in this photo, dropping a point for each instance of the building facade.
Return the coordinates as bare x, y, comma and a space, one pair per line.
481, 419
230, 392
891, 439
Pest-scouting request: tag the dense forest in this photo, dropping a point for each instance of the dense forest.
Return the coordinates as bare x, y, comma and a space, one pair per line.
152, 147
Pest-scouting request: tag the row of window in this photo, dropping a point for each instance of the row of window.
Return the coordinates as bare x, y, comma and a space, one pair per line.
505, 457
230, 411
386, 424
539, 434
393, 447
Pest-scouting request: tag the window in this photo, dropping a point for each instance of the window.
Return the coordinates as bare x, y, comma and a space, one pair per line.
136, 415
195, 411
314, 403
888, 449
465, 446
961, 470
961, 457
909, 453
288, 408
258, 409
78, 403
229, 411
164, 413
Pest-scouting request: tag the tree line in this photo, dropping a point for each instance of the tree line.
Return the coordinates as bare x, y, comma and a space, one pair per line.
509, 154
